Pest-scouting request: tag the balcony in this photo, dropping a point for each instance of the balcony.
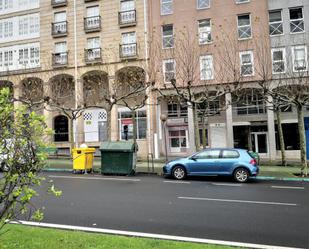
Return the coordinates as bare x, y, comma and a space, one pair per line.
127, 18
92, 24
59, 29
128, 51
60, 59
58, 3
93, 55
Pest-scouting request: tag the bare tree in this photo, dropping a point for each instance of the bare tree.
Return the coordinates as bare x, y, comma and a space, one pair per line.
294, 90
201, 79
269, 75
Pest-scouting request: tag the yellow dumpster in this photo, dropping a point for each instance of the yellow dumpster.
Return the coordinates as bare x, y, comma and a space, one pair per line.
83, 159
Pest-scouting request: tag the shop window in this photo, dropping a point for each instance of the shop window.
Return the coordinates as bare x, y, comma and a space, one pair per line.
291, 136
126, 124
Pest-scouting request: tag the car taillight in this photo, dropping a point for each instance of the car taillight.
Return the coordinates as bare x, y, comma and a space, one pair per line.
253, 162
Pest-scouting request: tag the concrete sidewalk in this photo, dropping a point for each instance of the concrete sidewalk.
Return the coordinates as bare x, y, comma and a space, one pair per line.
266, 172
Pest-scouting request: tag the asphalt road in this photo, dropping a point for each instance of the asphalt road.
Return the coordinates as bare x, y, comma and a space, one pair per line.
260, 212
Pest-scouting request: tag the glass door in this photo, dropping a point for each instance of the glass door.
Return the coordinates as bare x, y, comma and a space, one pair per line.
259, 142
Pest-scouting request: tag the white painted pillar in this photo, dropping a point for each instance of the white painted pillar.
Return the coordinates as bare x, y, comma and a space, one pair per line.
191, 130
229, 121
271, 130
80, 136
114, 124
156, 146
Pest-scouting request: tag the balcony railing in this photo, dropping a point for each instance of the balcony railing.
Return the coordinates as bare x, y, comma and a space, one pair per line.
59, 29
244, 32
276, 28
60, 59
58, 3
127, 18
297, 26
250, 109
93, 55
127, 51
92, 23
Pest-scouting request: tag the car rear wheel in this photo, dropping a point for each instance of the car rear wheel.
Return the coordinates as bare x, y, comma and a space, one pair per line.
179, 173
241, 175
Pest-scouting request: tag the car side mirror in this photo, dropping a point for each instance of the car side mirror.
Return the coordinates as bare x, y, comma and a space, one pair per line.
193, 158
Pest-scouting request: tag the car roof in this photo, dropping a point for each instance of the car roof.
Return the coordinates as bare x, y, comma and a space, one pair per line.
225, 149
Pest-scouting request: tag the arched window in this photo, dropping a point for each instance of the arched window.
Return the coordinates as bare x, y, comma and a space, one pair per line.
61, 127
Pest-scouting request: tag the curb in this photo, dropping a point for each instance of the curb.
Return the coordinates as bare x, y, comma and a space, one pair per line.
270, 178
265, 178
94, 171
56, 170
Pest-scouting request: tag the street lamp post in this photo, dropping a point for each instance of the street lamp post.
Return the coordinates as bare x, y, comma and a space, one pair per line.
163, 119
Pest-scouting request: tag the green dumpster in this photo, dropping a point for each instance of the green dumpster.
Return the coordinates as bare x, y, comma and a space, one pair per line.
118, 158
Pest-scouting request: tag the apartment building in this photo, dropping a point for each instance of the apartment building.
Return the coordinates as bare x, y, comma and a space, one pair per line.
289, 38
247, 124
64, 48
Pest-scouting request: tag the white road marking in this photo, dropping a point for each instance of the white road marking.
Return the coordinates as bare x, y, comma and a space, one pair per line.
179, 182
239, 201
151, 235
227, 184
95, 178
287, 187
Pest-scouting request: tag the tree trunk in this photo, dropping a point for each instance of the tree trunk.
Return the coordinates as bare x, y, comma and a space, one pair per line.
249, 139
204, 141
134, 126
109, 125
196, 128
302, 139
281, 138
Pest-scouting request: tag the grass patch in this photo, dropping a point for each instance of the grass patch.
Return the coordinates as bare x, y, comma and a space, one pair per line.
24, 237
279, 171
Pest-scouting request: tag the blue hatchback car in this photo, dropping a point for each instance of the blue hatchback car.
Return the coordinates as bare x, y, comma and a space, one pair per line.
237, 163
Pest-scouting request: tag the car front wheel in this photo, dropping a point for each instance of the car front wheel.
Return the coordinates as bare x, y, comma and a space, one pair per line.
241, 175
179, 173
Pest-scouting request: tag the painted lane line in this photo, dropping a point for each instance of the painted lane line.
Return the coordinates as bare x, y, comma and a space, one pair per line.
227, 184
95, 178
177, 182
238, 201
151, 235
287, 187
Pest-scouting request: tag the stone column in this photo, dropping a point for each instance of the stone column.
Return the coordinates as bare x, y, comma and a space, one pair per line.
16, 93
229, 121
191, 139
271, 130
